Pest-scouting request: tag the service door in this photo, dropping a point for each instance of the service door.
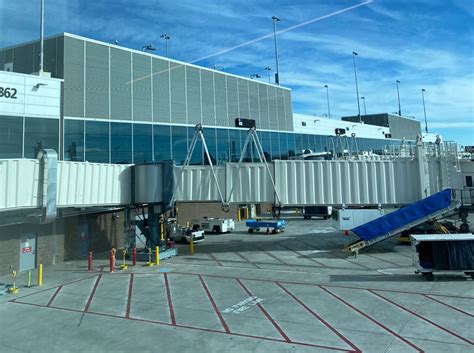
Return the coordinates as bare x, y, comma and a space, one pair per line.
27, 252
83, 238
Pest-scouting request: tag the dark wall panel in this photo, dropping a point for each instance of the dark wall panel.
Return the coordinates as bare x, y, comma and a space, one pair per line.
142, 87
161, 90
193, 89
120, 86
97, 81
207, 91
73, 77
178, 97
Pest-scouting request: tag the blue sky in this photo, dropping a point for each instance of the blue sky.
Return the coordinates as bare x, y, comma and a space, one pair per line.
423, 43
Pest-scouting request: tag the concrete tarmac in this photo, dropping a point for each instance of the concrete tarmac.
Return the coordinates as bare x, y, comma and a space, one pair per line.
296, 291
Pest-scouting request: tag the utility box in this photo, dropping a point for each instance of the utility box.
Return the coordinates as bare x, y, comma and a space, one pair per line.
443, 252
345, 219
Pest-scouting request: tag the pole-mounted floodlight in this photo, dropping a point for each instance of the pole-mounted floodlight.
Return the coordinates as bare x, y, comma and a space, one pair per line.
424, 108
268, 69
354, 54
277, 73
327, 96
365, 108
148, 47
398, 94
166, 38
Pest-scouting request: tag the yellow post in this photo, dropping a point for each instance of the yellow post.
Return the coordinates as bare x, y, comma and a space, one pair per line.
238, 215
191, 245
246, 212
40, 275
162, 234
187, 224
123, 266
14, 289
28, 284
149, 263
157, 255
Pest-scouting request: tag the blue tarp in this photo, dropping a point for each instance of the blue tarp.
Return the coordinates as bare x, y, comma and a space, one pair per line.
403, 216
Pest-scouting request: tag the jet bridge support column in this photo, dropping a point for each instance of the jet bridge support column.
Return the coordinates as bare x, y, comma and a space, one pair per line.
424, 177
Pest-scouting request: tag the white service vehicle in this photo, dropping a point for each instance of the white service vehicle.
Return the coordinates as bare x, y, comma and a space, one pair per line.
345, 219
215, 225
183, 235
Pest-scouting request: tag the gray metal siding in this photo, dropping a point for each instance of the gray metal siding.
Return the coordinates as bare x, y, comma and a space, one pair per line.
221, 100
403, 128
178, 97
288, 111
281, 110
272, 108
207, 97
193, 89
161, 90
142, 88
263, 100
253, 101
244, 108
73, 77
23, 59
97, 81
232, 99
120, 86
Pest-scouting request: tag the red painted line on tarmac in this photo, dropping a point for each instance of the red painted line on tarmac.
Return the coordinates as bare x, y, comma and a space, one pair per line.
304, 256
89, 301
215, 259
279, 329
54, 295
170, 303
448, 305
326, 285
371, 319
421, 317
247, 260
129, 300
287, 291
47, 289
189, 327
218, 313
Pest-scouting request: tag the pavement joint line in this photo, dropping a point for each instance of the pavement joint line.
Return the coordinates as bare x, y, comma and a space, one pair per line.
306, 256
214, 258
371, 319
422, 317
170, 303
54, 296
324, 284
187, 327
276, 258
91, 296
214, 305
129, 298
333, 329
389, 262
247, 260
262, 309
448, 305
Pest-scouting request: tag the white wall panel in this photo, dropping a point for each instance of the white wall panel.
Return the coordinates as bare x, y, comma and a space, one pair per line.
252, 183
197, 183
18, 184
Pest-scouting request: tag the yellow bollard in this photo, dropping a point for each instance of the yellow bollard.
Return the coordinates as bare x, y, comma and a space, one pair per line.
191, 245
238, 215
162, 234
149, 263
28, 283
157, 255
40, 275
187, 224
14, 289
123, 266
246, 212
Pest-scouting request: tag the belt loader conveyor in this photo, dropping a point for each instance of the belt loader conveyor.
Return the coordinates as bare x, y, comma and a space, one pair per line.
433, 207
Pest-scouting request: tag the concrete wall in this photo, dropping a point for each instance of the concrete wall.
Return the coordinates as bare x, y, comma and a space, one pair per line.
61, 240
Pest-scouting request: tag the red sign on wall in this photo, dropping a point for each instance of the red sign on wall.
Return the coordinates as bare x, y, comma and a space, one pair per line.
26, 249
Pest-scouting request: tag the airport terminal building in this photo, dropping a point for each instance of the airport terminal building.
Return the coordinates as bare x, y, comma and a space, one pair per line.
126, 106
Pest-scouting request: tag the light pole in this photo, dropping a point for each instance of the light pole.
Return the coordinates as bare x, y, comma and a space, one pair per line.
398, 94
424, 108
277, 73
327, 96
268, 69
365, 108
148, 47
354, 54
166, 38
41, 63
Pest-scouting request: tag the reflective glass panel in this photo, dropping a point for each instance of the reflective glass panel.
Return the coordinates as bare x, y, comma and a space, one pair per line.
142, 143
97, 141
74, 140
11, 137
39, 134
